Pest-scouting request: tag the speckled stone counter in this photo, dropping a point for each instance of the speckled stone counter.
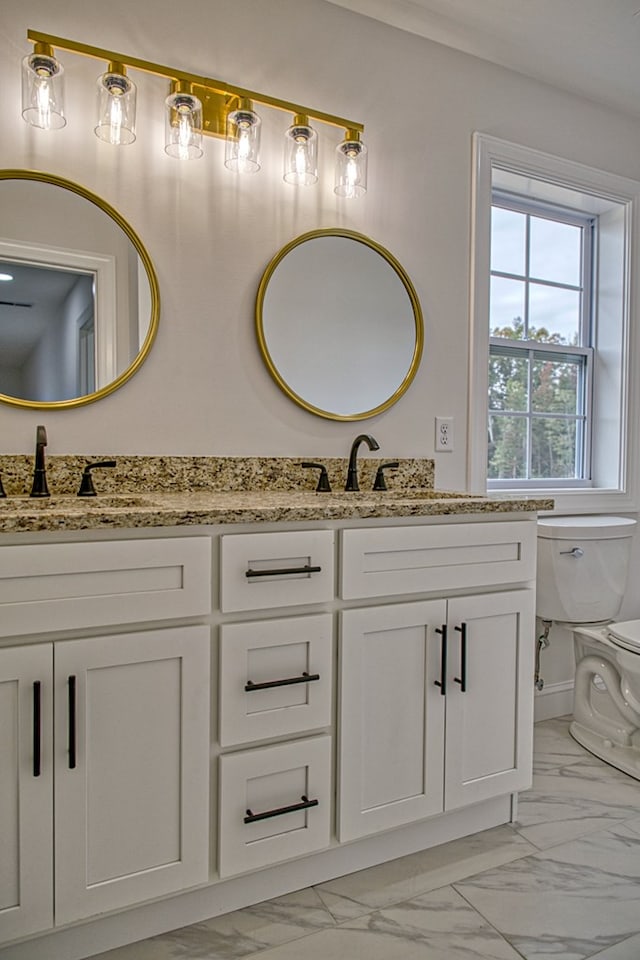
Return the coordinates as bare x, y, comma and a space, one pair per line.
179, 491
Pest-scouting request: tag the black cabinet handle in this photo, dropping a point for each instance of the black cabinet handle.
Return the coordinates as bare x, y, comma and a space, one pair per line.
282, 572
37, 728
72, 722
289, 681
442, 682
462, 679
279, 811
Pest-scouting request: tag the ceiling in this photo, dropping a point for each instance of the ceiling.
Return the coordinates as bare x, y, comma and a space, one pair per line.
588, 47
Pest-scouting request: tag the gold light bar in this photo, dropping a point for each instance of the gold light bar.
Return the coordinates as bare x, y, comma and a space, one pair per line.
218, 98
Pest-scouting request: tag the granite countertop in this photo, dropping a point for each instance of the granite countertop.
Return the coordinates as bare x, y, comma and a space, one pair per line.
163, 492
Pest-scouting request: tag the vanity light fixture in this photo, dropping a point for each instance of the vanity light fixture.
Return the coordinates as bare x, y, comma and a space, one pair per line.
301, 152
116, 121
351, 166
43, 88
183, 123
197, 106
242, 146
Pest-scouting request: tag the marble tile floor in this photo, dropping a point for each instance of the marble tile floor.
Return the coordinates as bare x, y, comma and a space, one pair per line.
563, 883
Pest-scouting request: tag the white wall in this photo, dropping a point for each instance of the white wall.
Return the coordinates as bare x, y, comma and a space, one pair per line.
204, 389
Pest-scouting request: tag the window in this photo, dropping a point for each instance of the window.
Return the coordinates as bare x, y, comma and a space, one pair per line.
540, 354
553, 395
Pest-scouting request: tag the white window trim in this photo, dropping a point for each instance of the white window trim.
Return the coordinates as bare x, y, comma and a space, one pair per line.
489, 153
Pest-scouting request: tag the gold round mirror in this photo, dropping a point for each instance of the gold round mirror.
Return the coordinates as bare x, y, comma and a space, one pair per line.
79, 300
339, 324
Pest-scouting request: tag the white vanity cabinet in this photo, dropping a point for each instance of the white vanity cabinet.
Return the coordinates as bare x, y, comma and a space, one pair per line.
373, 696
435, 707
104, 754
436, 696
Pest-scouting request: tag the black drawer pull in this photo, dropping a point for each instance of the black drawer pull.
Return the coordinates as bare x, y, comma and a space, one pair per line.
442, 682
72, 723
288, 682
37, 728
462, 679
306, 803
282, 572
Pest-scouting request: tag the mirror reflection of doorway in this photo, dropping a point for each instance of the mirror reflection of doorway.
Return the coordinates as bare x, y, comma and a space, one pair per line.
47, 338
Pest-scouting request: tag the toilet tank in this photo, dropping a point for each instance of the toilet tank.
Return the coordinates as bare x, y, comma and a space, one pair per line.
582, 567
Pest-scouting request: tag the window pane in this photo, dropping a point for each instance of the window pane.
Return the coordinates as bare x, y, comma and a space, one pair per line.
553, 449
506, 315
508, 382
508, 232
507, 448
556, 386
555, 251
554, 314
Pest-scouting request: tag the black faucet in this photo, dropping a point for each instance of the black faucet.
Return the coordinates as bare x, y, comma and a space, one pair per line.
40, 488
352, 473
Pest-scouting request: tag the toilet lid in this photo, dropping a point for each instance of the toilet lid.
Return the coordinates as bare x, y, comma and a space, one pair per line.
625, 634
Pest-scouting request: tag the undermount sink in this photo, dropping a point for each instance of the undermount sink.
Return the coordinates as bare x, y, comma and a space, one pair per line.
110, 502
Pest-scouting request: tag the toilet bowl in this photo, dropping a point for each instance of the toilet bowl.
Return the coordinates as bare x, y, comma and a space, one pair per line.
582, 573
606, 698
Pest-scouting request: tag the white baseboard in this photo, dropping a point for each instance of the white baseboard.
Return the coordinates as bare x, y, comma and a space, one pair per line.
554, 700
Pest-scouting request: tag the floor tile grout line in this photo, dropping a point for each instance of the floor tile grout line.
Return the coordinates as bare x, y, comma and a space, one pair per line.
502, 935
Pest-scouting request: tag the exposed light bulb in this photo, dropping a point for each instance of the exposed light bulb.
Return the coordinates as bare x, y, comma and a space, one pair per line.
300, 162
244, 143
185, 131
183, 127
116, 107
42, 89
242, 148
301, 153
115, 119
43, 100
351, 168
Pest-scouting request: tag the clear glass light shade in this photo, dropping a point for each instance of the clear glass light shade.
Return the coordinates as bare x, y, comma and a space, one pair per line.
301, 155
116, 109
242, 147
183, 126
43, 92
351, 169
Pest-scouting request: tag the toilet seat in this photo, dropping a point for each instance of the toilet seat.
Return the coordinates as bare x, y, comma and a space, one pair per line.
625, 635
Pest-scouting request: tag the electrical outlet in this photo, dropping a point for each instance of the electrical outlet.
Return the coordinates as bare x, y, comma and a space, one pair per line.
444, 434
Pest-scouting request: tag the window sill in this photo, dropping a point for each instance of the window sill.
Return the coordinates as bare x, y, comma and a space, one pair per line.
578, 500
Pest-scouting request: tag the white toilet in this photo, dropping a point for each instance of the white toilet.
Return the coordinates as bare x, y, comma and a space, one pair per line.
582, 574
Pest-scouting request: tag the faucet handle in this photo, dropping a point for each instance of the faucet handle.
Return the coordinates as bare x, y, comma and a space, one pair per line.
380, 483
323, 480
87, 488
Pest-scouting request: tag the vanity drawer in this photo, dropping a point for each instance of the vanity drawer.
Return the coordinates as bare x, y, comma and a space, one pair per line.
264, 570
276, 678
387, 561
64, 586
275, 803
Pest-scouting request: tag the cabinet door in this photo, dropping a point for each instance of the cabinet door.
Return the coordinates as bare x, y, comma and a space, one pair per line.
490, 716
26, 785
132, 768
391, 717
